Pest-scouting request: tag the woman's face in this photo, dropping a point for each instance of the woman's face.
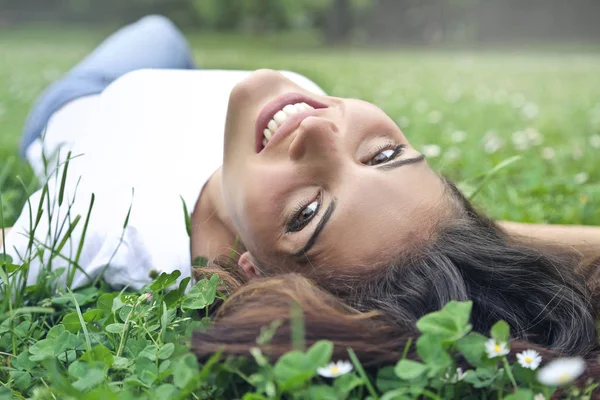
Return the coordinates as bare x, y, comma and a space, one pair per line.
336, 184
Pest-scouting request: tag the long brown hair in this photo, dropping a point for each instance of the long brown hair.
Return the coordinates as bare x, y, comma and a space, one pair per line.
543, 291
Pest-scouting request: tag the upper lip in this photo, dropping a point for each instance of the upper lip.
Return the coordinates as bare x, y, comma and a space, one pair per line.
290, 124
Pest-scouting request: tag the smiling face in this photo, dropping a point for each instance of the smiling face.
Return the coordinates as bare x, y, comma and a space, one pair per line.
337, 182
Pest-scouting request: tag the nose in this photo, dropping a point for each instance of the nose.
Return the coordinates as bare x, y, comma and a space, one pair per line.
317, 141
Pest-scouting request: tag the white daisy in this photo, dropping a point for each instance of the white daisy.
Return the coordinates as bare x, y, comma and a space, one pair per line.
431, 150
459, 136
457, 377
452, 153
492, 142
548, 153
530, 110
421, 106
453, 95
434, 117
577, 152
520, 140
403, 122
561, 371
494, 349
534, 136
581, 178
539, 396
529, 359
335, 369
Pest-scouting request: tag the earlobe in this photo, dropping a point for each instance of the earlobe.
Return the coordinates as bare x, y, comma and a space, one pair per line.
247, 264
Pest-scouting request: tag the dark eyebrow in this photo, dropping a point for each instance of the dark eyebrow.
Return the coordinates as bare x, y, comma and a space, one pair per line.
399, 163
318, 229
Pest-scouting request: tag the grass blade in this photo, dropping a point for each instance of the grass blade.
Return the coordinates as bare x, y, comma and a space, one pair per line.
63, 181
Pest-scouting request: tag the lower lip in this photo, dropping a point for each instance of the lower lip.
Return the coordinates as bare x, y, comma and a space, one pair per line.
271, 109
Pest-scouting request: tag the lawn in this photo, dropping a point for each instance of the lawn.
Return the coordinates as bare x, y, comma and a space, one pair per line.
478, 107
467, 111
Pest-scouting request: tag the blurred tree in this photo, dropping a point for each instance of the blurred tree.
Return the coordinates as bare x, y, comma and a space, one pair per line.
395, 21
339, 21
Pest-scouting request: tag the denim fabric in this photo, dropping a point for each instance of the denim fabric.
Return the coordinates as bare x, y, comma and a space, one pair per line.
152, 42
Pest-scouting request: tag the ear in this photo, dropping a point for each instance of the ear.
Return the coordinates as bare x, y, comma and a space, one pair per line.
247, 264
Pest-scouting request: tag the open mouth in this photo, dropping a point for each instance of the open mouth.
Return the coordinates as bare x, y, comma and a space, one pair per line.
282, 116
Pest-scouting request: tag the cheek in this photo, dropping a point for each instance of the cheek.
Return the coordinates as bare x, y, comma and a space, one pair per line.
262, 198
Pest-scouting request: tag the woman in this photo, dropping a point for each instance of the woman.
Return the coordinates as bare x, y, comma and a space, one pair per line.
324, 187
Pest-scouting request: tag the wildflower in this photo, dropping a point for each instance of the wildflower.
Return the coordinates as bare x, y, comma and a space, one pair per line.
595, 141
492, 143
494, 349
452, 153
421, 106
530, 110
520, 140
459, 136
529, 359
548, 153
577, 152
146, 297
539, 396
581, 178
453, 95
403, 122
561, 371
434, 117
431, 150
334, 370
534, 136
457, 377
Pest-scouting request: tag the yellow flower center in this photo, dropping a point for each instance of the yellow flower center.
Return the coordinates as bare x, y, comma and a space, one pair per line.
564, 378
497, 348
528, 360
335, 369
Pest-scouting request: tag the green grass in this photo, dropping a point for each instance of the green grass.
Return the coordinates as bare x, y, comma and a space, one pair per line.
139, 345
430, 94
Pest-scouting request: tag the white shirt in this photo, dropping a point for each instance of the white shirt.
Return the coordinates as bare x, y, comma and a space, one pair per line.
144, 146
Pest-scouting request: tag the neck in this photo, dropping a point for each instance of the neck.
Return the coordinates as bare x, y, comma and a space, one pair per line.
212, 232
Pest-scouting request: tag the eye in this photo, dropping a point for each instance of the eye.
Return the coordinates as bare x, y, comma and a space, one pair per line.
386, 154
303, 214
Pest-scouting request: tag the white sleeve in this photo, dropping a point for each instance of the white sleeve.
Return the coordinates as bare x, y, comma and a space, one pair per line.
124, 254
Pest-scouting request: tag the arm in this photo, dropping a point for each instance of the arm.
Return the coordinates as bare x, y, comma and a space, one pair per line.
585, 239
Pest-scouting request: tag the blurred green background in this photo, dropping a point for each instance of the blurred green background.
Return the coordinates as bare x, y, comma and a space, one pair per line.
471, 83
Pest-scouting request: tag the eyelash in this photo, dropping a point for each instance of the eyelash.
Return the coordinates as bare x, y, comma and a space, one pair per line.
293, 226
398, 149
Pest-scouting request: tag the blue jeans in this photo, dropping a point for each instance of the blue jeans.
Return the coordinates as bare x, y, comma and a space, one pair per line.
152, 42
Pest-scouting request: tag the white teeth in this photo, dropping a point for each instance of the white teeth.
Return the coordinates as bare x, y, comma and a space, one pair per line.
290, 110
281, 116
272, 126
